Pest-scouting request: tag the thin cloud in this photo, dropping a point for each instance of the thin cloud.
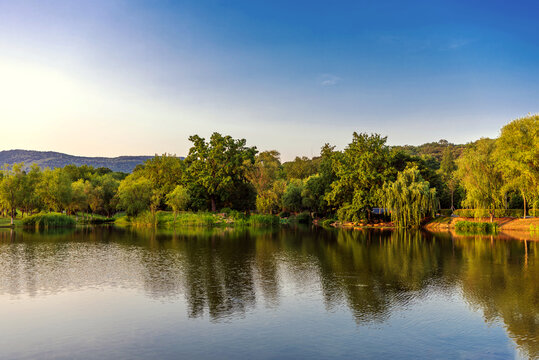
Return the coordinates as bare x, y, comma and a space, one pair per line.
329, 80
455, 44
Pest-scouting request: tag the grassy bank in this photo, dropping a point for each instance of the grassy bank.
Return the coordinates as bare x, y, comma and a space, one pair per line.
199, 219
475, 227
55, 220
444, 223
47, 221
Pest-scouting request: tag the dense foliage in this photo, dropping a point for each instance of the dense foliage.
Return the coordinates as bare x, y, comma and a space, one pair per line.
486, 176
409, 199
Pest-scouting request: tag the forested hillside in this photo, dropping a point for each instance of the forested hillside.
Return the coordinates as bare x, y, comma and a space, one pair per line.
53, 159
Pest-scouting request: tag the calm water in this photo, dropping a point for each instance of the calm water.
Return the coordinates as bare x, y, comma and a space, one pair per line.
285, 294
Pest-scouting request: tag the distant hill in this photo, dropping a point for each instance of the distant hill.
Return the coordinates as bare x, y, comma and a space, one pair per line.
434, 149
55, 159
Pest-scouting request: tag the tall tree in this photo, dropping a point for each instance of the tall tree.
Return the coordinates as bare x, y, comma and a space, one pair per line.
448, 168
301, 167
178, 200
264, 171
12, 189
518, 155
480, 176
292, 199
134, 194
79, 198
361, 171
31, 200
165, 172
215, 166
55, 189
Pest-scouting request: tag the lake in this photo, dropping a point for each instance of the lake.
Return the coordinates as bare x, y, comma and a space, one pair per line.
283, 293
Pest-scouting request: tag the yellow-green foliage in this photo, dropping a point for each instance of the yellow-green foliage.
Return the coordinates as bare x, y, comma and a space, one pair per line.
409, 199
476, 227
45, 221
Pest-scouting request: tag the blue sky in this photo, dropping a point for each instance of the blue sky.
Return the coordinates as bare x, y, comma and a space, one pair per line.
133, 77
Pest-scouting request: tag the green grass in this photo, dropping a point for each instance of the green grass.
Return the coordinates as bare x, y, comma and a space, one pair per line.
198, 219
327, 222
445, 220
46, 221
471, 227
263, 220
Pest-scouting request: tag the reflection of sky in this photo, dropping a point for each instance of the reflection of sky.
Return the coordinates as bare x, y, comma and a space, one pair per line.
111, 77
124, 323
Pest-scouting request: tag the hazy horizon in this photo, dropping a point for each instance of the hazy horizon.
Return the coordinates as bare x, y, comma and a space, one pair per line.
112, 78
184, 155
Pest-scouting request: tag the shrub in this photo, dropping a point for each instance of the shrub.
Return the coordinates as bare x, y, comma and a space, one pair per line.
349, 213
45, 221
263, 220
237, 215
484, 213
303, 218
446, 212
476, 227
327, 222
284, 214
226, 211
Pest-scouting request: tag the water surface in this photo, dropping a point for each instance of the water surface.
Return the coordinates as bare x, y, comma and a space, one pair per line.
286, 293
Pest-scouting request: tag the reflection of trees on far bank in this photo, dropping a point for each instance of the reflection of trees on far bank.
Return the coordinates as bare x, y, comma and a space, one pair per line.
226, 272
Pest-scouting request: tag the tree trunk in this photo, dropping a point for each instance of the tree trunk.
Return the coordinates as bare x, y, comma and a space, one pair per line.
491, 216
12, 216
452, 193
524, 198
213, 206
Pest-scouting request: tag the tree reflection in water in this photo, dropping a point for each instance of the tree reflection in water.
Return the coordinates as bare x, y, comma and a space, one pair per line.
224, 273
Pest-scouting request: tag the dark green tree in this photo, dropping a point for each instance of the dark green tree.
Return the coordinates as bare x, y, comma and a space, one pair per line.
361, 172
217, 165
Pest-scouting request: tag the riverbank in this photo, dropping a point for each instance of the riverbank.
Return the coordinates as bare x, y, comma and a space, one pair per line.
377, 224
167, 219
504, 224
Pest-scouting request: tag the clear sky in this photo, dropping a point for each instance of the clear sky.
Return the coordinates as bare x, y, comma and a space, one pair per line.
132, 77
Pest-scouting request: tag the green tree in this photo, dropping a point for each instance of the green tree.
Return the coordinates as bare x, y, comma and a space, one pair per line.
165, 172
134, 194
271, 201
301, 167
79, 198
316, 187
12, 189
480, 176
31, 200
217, 165
178, 200
292, 199
264, 171
448, 167
55, 189
409, 199
361, 172
518, 156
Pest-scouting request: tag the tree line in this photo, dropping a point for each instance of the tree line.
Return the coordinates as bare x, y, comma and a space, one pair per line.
347, 184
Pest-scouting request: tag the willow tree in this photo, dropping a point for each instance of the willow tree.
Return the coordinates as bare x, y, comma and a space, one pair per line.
409, 199
518, 155
481, 177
